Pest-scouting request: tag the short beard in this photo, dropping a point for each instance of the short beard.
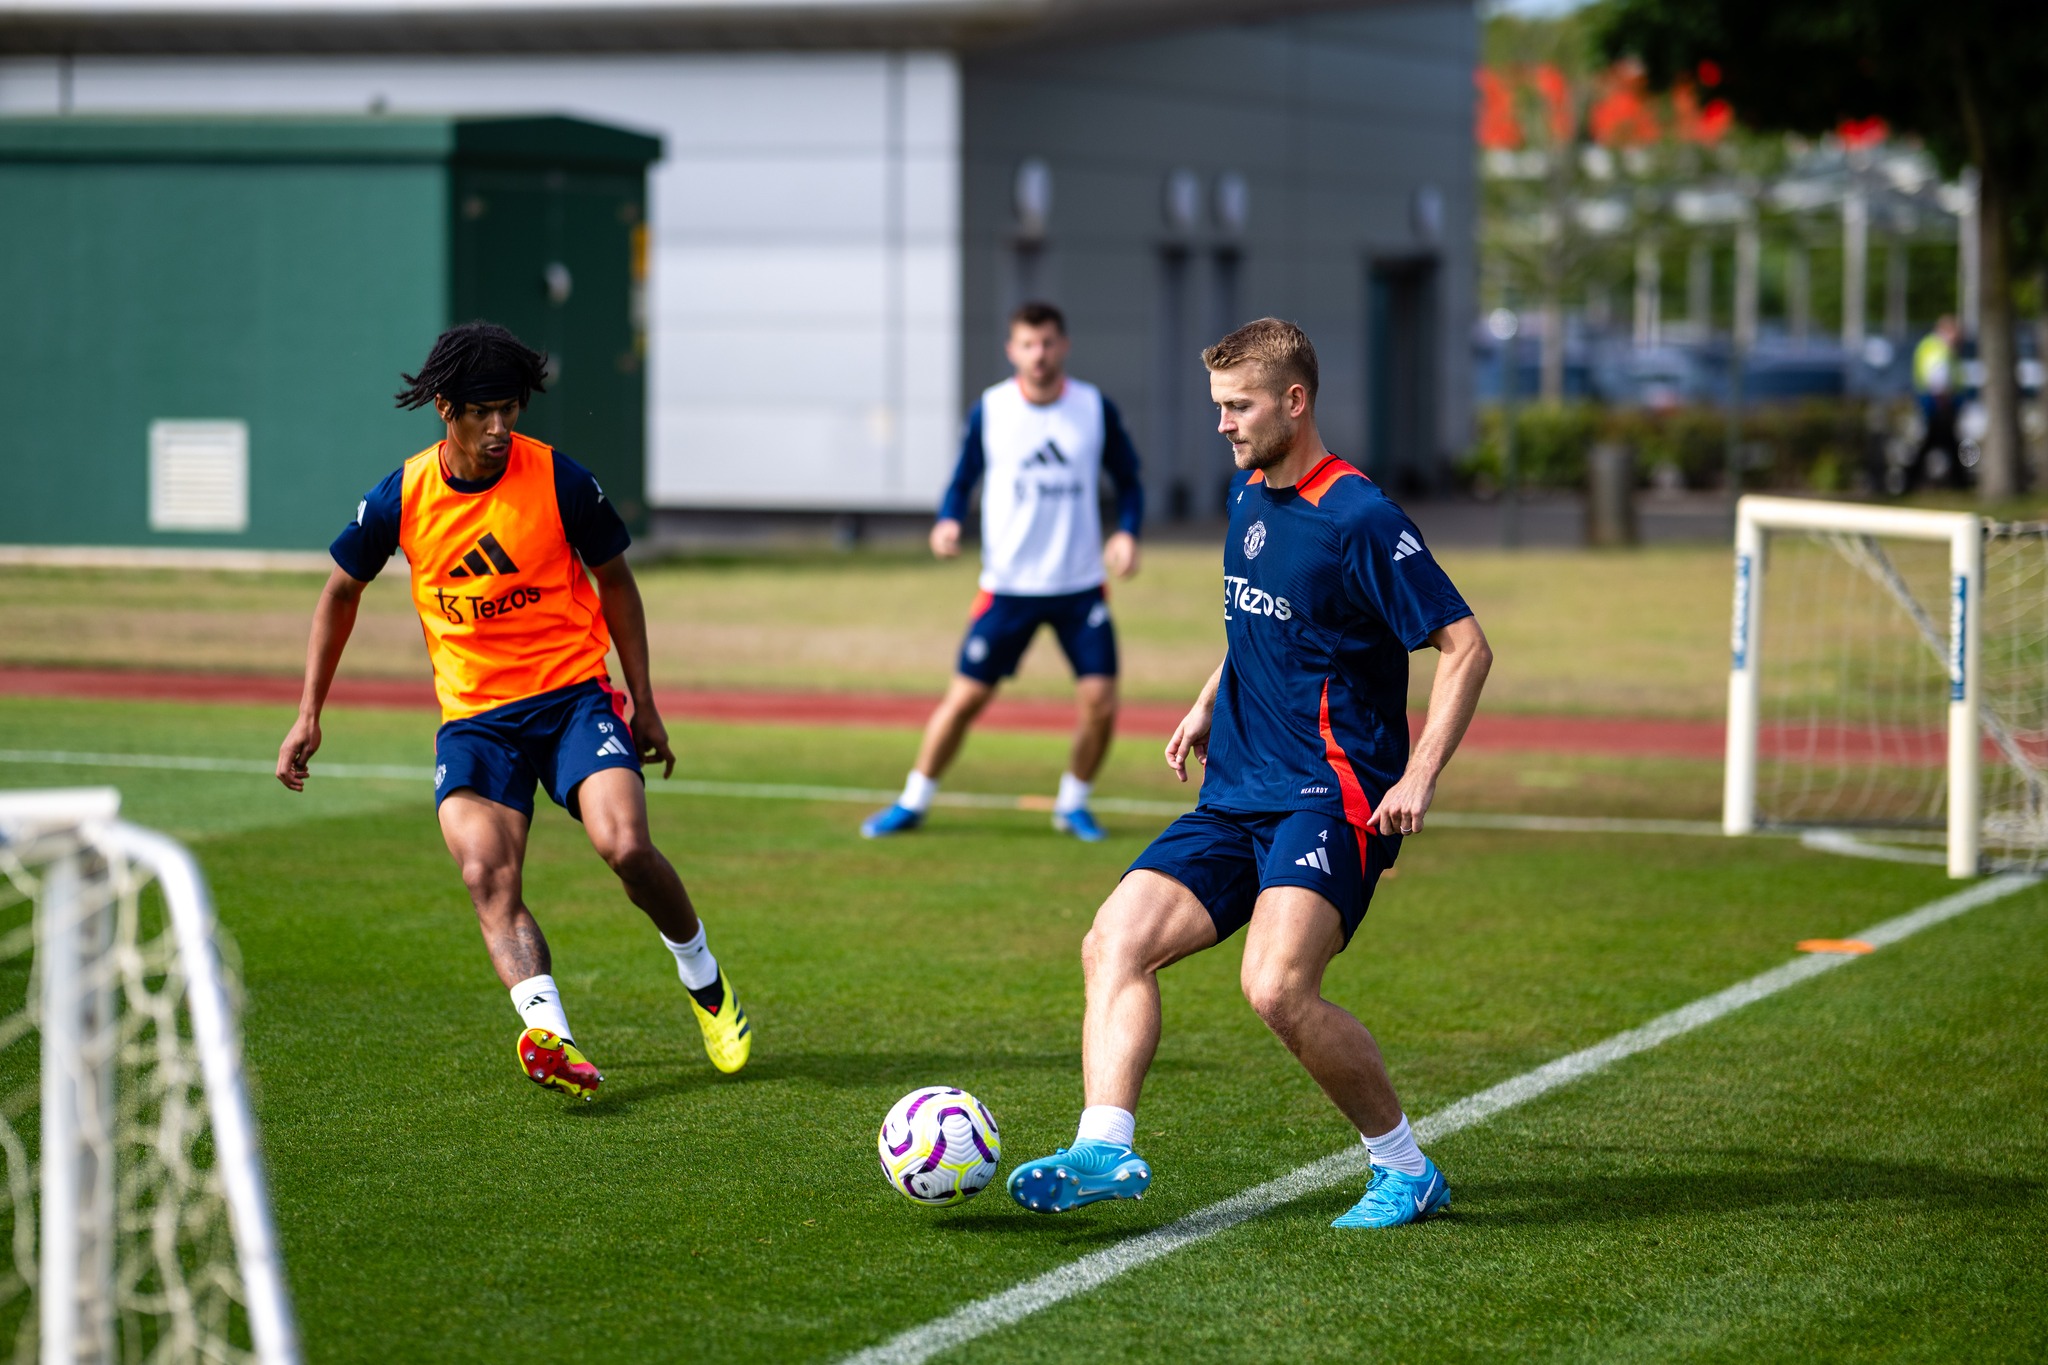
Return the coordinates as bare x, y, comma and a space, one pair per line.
1267, 452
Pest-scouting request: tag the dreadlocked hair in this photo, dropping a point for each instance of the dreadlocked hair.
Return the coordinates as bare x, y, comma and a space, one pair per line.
471, 352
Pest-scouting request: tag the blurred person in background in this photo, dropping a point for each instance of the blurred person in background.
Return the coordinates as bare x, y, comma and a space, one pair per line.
1038, 444
1934, 386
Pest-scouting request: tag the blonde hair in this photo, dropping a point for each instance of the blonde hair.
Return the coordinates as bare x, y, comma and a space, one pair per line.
1279, 347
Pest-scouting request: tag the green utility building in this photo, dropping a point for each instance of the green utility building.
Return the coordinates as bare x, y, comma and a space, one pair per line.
203, 320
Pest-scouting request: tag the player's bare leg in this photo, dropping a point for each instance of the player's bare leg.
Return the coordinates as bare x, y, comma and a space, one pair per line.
944, 733
965, 699
1293, 935
1149, 922
613, 805
488, 843
1095, 727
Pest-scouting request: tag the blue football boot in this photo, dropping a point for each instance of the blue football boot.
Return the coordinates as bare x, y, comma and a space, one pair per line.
1392, 1199
894, 820
1080, 824
1086, 1173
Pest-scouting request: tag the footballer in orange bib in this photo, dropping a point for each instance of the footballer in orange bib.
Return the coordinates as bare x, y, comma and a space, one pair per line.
520, 579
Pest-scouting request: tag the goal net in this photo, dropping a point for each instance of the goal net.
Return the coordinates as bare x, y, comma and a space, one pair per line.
1890, 672
139, 1223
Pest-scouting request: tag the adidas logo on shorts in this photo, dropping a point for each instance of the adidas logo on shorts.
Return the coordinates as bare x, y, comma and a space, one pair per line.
613, 746
1317, 858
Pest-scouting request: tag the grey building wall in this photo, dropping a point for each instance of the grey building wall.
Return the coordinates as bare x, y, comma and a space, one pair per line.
1352, 133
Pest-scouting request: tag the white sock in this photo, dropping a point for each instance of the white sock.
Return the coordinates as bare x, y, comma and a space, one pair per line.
540, 1005
1107, 1123
694, 962
1396, 1150
918, 791
1073, 794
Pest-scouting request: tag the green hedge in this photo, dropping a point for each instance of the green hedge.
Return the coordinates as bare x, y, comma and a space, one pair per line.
1814, 444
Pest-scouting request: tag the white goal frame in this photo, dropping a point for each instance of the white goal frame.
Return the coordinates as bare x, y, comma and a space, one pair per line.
74, 1290
1964, 534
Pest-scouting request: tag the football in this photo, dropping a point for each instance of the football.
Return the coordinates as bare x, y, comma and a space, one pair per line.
939, 1145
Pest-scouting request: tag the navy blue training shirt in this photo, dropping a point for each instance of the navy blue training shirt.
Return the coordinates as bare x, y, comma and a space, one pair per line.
1327, 589
590, 522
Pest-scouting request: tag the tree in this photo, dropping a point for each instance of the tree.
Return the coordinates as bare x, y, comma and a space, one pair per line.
1963, 75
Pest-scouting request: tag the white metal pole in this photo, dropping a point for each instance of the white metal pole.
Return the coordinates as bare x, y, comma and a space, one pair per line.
1965, 747
1738, 793
63, 1181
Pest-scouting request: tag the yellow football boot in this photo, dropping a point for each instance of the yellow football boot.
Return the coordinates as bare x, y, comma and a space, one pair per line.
551, 1060
728, 1036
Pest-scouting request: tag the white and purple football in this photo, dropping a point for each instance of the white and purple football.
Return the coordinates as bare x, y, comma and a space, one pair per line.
939, 1145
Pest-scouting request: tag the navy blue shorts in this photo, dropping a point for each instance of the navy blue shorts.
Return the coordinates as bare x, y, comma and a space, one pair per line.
1228, 857
555, 740
1002, 626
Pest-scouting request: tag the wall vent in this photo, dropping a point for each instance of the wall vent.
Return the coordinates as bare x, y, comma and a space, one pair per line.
198, 476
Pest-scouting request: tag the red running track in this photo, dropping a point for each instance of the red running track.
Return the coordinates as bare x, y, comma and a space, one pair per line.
1137, 720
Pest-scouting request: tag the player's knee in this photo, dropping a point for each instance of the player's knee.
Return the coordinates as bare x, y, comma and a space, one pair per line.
1276, 999
630, 855
493, 888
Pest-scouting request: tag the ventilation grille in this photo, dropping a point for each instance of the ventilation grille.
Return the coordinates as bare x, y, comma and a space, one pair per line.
198, 476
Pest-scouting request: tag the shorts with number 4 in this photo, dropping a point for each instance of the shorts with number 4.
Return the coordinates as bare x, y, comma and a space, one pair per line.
1228, 857
553, 740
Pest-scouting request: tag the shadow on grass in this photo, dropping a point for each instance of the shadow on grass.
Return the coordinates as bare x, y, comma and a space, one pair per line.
631, 1082
1720, 1180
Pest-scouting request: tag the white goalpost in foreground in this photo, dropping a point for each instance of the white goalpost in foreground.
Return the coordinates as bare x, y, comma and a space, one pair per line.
141, 1226
1890, 671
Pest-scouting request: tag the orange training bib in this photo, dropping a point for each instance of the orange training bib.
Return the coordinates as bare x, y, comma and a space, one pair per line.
507, 609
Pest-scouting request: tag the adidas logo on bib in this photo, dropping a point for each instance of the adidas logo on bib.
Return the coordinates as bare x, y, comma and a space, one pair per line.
1317, 858
493, 559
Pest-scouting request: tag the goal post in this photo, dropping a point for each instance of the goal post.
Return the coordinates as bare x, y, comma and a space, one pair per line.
141, 1215
1944, 654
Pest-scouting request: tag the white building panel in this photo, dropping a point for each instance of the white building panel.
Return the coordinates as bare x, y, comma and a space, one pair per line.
805, 224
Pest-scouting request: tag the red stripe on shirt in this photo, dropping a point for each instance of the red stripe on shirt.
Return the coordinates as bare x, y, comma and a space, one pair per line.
1357, 810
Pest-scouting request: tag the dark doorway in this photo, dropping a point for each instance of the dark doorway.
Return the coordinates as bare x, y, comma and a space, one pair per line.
1213, 465
1172, 387
1400, 357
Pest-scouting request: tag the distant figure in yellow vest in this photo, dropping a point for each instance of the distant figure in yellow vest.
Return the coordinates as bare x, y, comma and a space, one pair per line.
503, 536
1935, 372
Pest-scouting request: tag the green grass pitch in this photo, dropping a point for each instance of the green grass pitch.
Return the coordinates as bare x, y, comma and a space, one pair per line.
1851, 1170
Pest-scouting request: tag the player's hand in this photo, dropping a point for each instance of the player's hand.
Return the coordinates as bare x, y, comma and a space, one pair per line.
1120, 554
650, 738
1191, 736
297, 751
1402, 808
945, 538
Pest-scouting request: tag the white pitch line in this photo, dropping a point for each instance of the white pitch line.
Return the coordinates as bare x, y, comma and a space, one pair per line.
781, 791
983, 1316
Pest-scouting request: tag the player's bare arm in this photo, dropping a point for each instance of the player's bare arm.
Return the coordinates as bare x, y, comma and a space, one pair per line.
946, 538
626, 616
334, 620
1453, 697
1191, 736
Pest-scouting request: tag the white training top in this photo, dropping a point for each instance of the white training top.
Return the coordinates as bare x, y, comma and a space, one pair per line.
1040, 466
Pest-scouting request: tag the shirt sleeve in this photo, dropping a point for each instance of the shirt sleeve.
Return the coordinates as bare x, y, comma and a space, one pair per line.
1389, 572
967, 473
596, 532
367, 543
1120, 460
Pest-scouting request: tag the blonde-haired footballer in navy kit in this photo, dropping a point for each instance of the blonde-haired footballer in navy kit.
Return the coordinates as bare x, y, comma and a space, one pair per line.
1309, 789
